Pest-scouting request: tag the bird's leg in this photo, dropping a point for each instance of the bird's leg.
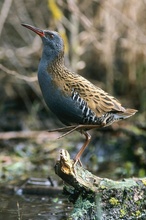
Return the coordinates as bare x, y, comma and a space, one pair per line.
73, 128
67, 130
63, 129
88, 138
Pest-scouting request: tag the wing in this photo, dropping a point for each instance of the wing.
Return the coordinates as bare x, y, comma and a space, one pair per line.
97, 100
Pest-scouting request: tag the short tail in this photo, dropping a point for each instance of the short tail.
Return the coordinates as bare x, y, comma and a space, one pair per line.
123, 115
126, 114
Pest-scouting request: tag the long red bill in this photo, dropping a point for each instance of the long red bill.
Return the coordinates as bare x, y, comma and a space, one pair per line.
34, 29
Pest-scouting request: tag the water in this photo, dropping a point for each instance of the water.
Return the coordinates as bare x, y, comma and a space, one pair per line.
30, 207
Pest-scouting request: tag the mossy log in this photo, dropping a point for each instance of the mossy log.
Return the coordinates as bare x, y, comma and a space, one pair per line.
101, 198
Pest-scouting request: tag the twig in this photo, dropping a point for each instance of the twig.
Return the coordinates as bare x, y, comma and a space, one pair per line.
19, 211
17, 75
27, 135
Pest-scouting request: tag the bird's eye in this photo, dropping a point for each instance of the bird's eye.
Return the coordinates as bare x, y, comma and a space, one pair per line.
50, 35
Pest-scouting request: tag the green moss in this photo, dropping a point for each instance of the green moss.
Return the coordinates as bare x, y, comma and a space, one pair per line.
138, 202
114, 201
81, 208
144, 181
138, 213
103, 187
122, 213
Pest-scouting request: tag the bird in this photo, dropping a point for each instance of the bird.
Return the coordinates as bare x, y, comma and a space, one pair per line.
78, 104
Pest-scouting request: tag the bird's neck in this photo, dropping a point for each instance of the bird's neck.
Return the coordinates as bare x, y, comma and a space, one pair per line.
52, 63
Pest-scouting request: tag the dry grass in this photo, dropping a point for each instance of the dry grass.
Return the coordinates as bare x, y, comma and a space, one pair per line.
104, 41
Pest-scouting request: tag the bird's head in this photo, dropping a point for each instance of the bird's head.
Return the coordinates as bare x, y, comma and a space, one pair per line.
53, 43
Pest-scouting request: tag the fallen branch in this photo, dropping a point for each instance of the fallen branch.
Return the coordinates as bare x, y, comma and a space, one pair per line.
33, 186
100, 198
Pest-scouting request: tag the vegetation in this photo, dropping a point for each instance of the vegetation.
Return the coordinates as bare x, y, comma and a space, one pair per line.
105, 42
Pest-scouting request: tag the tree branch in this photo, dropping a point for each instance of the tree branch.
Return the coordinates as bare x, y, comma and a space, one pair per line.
101, 198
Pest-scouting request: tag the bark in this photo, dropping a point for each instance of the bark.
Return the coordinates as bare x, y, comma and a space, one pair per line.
101, 198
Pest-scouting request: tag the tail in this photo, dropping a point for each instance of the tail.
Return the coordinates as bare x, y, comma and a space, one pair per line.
129, 112
123, 115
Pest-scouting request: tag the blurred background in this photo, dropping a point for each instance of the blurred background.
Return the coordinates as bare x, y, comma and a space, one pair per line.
104, 42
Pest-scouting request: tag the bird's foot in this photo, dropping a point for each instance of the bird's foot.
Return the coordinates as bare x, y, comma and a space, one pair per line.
75, 165
78, 162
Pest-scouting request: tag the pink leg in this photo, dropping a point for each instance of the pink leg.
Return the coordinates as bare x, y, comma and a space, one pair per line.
88, 138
